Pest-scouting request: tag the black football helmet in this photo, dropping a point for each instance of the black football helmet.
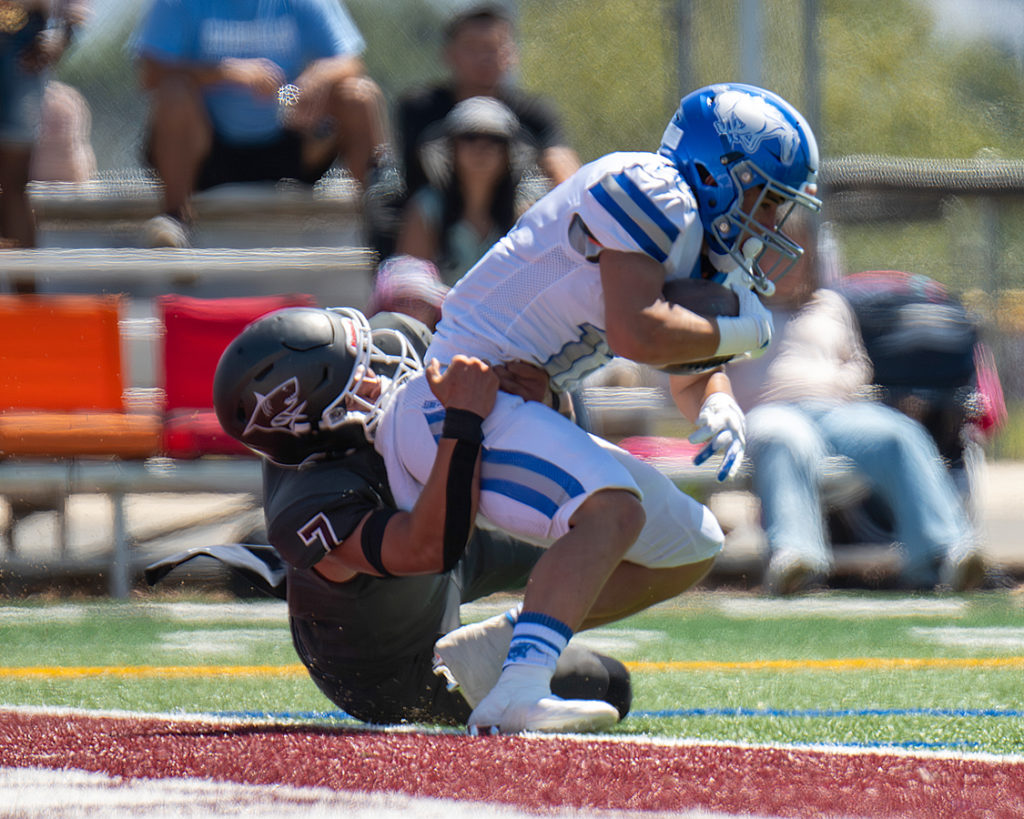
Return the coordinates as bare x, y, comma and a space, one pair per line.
287, 386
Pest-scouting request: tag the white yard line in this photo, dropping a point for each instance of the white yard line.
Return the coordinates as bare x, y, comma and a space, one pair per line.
38, 793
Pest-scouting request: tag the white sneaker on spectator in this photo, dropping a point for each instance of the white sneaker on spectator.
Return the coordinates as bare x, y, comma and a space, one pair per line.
470, 657
166, 231
522, 701
789, 573
964, 571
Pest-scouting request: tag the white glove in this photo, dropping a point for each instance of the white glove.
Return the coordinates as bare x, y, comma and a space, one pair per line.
750, 331
722, 425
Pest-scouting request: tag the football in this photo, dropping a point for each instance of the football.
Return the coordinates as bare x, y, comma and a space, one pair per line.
702, 296
705, 298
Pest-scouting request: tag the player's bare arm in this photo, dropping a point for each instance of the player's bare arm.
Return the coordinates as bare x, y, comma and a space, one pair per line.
415, 542
689, 392
640, 324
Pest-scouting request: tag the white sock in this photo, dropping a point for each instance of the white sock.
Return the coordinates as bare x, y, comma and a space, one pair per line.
538, 640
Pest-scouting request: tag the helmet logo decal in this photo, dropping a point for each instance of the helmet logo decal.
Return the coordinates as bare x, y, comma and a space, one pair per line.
280, 410
747, 121
352, 339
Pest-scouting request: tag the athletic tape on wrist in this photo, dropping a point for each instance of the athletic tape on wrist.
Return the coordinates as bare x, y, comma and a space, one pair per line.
467, 429
372, 539
737, 335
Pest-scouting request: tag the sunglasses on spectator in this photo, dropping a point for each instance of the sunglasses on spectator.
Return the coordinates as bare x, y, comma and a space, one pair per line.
490, 139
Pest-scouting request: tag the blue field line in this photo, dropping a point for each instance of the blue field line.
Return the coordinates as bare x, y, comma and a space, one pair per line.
808, 713
827, 713
325, 715
909, 745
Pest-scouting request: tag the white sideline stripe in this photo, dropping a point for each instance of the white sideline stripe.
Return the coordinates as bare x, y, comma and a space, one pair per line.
209, 641
980, 637
39, 793
34, 793
275, 612
674, 742
837, 607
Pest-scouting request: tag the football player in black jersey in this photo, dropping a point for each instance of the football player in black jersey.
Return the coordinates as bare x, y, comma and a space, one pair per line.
370, 588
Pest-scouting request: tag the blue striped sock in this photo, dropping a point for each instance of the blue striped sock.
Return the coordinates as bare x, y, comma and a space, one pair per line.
537, 639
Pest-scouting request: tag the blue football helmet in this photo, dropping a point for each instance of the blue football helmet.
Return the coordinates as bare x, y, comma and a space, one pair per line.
728, 138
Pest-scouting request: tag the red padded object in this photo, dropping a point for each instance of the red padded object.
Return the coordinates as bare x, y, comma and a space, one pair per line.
197, 432
661, 451
196, 331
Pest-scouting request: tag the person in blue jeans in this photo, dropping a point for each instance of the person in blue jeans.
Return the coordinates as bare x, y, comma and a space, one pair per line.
243, 90
822, 399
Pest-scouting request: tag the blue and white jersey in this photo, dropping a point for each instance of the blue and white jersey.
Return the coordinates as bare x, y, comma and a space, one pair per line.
536, 295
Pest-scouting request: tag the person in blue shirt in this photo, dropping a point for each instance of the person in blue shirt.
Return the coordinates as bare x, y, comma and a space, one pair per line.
251, 90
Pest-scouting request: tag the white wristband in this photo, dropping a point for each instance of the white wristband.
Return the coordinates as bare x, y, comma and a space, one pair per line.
738, 335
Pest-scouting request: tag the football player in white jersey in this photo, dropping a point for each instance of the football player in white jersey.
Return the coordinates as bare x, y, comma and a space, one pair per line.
578, 280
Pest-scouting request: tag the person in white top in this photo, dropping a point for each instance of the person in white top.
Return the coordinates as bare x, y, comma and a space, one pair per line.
577, 281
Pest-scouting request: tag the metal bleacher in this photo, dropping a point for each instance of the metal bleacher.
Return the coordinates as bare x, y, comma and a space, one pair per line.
251, 240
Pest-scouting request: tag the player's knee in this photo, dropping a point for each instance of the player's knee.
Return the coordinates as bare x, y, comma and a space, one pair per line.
358, 93
617, 512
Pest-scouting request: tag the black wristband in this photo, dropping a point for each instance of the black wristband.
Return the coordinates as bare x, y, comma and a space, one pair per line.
463, 425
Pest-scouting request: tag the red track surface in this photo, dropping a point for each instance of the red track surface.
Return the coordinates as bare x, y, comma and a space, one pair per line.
530, 773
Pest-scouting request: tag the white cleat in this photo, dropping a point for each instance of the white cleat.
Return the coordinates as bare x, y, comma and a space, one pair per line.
470, 657
521, 702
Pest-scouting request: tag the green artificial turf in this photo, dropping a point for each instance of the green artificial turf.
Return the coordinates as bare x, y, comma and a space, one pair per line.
757, 688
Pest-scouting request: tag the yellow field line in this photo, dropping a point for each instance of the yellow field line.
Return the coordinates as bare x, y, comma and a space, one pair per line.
843, 664
296, 669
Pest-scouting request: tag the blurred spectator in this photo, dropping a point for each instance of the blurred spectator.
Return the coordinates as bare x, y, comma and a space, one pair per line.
405, 284
63, 152
244, 92
474, 160
33, 36
825, 394
480, 53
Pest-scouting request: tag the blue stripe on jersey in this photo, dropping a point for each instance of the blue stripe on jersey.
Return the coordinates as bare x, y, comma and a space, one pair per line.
531, 463
523, 494
652, 211
527, 479
649, 227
